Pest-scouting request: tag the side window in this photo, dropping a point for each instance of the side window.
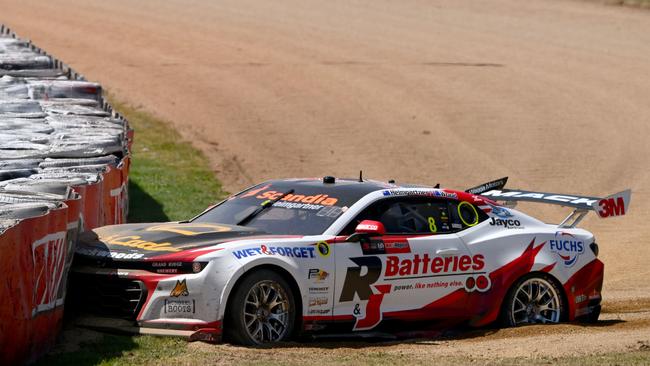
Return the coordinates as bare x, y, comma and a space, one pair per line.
465, 215
407, 216
420, 215
417, 217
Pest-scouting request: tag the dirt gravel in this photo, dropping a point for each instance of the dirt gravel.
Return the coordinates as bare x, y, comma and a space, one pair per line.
552, 93
619, 334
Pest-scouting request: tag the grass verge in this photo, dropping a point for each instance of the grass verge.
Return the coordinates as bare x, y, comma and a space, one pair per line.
170, 180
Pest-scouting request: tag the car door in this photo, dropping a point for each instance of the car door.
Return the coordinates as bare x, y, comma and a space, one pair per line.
416, 271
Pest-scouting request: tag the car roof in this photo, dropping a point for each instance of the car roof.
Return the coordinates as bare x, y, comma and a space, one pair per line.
340, 186
351, 190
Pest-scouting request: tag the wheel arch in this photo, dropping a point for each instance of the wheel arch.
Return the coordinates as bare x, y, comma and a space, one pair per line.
546, 275
286, 275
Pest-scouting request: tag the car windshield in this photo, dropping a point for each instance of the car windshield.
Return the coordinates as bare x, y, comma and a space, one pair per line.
300, 209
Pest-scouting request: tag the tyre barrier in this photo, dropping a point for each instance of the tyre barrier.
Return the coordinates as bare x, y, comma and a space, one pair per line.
64, 168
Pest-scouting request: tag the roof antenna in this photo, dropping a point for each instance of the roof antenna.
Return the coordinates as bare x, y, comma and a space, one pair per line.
360, 175
437, 185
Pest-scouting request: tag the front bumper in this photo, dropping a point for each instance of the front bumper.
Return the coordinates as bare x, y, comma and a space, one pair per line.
107, 296
140, 302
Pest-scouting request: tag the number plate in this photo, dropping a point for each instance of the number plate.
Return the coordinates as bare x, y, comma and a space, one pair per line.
179, 307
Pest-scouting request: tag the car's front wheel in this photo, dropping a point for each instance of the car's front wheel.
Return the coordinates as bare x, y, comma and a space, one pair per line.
533, 300
262, 309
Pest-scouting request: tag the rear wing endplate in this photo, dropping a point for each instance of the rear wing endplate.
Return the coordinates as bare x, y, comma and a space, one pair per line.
495, 184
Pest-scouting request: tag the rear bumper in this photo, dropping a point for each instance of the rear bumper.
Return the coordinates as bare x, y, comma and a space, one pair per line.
583, 290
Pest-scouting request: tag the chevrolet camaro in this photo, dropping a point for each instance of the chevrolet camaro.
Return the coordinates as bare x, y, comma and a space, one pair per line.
344, 256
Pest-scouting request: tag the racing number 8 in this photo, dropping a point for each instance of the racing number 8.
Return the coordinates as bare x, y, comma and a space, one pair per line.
432, 224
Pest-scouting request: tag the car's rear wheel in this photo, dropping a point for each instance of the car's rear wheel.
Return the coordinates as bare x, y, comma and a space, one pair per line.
533, 299
262, 309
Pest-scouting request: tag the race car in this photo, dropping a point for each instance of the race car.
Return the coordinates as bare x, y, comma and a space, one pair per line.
344, 256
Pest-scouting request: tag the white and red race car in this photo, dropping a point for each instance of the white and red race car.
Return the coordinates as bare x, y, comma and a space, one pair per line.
333, 255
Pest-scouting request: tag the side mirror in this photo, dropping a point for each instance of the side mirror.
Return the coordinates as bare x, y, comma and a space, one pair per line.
367, 228
370, 227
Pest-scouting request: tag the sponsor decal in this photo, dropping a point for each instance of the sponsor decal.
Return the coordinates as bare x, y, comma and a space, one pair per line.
445, 194
135, 241
96, 252
397, 247
180, 289
506, 223
487, 186
318, 301
323, 249
432, 193
299, 206
425, 265
293, 252
317, 274
331, 211
319, 311
318, 199
542, 196
373, 246
167, 270
611, 207
179, 307
319, 290
580, 298
49, 267
371, 315
166, 264
254, 192
368, 227
480, 283
360, 279
196, 267
120, 201
189, 229
176, 267
429, 285
501, 212
567, 247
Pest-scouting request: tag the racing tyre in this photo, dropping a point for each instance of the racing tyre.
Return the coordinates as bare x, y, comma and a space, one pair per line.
262, 310
533, 299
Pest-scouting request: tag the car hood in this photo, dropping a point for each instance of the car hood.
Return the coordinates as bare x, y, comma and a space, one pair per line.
150, 240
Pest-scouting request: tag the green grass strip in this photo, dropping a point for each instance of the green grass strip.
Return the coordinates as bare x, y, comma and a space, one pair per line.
170, 180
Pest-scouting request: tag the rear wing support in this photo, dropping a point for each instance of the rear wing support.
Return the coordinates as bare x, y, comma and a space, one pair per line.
573, 219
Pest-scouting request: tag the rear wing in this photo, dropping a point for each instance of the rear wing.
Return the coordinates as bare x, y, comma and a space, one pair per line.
611, 206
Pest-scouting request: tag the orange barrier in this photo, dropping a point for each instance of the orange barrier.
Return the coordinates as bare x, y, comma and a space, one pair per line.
114, 195
35, 256
91, 214
36, 253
